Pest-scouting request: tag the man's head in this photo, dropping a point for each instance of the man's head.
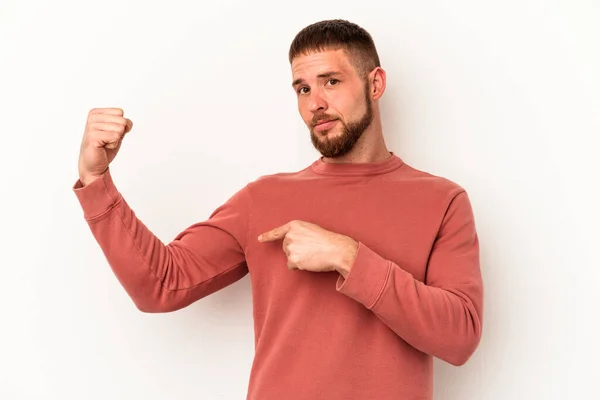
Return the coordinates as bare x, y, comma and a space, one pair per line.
337, 76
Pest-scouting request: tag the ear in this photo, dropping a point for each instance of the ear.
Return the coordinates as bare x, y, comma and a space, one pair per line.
376, 83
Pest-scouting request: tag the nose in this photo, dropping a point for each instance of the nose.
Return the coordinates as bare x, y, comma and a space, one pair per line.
317, 102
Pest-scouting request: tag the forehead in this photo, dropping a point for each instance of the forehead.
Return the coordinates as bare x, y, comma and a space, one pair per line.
316, 62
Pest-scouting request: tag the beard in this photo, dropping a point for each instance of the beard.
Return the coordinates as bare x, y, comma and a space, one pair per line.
351, 131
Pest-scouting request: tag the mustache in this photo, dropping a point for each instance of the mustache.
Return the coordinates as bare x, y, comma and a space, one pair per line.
319, 118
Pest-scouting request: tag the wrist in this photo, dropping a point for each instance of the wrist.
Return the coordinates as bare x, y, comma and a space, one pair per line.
347, 257
87, 179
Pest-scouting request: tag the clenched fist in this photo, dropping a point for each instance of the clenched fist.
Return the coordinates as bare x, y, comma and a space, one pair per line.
104, 132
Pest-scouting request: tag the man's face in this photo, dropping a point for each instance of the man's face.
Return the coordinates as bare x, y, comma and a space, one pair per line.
333, 100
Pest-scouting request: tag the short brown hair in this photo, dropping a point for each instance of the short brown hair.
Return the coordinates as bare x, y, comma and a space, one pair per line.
338, 34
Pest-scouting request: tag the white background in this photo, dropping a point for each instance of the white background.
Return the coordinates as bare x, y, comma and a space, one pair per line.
499, 96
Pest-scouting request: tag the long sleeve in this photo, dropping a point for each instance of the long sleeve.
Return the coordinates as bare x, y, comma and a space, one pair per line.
205, 257
441, 316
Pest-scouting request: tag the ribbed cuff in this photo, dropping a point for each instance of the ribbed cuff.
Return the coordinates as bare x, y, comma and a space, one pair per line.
367, 277
97, 197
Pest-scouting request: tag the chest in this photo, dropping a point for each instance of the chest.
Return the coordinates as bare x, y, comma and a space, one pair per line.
399, 225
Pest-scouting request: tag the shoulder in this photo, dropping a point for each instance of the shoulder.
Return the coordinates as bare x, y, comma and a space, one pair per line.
431, 186
438, 196
434, 193
277, 179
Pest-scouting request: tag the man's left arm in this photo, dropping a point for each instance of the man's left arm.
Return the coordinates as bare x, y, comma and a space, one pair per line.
441, 316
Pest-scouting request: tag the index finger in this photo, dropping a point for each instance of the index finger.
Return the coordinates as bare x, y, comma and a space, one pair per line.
274, 234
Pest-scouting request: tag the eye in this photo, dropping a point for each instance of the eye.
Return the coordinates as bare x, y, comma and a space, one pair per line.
333, 81
302, 90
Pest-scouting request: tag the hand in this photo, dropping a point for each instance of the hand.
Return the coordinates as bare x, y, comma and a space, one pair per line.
104, 132
309, 247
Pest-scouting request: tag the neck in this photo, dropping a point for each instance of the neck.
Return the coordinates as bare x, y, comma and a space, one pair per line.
371, 146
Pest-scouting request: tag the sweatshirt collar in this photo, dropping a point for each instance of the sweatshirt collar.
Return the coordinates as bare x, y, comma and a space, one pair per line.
356, 169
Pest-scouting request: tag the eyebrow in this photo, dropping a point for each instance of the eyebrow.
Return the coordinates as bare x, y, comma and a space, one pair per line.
327, 74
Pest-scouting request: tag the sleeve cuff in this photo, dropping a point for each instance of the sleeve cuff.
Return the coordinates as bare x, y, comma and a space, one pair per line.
367, 277
97, 197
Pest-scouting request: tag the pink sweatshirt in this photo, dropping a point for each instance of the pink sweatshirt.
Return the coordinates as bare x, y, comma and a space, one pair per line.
414, 291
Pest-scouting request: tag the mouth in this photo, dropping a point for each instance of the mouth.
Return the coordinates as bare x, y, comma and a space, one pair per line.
323, 125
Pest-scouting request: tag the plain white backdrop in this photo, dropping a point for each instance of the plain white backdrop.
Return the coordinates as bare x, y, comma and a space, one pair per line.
499, 96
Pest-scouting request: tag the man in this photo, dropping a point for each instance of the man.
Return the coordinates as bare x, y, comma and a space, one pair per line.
363, 268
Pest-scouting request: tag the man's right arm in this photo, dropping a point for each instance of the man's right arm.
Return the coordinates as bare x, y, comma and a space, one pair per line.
202, 259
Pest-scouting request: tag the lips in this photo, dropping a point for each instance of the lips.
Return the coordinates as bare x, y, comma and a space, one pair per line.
324, 121
325, 124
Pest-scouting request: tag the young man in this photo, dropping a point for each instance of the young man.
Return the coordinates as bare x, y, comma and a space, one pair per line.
363, 268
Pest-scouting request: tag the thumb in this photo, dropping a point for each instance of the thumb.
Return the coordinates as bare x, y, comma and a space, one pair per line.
128, 127
114, 145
